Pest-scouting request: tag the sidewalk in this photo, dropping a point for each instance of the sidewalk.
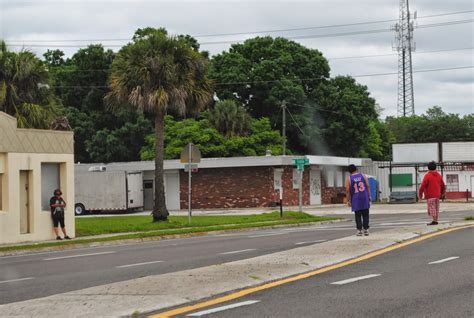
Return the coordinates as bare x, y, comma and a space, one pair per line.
377, 208
156, 292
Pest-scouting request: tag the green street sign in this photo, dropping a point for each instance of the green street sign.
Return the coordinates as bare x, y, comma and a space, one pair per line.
301, 161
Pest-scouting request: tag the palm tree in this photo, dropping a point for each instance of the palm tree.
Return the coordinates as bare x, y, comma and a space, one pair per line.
160, 74
230, 119
24, 93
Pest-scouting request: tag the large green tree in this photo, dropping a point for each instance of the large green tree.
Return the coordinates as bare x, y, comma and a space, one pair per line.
346, 114
211, 142
263, 72
157, 74
24, 89
82, 82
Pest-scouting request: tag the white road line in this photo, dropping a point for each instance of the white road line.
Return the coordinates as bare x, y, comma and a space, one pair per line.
80, 255
269, 234
240, 251
310, 242
400, 223
444, 260
16, 280
138, 264
222, 308
355, 279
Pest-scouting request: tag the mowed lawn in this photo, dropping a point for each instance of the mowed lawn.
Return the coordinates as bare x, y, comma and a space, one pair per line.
127, 224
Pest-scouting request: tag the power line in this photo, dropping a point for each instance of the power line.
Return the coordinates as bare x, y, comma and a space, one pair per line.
311, 36
393, 54
291, 115
319, 109
61, 70
300, 79
255, 32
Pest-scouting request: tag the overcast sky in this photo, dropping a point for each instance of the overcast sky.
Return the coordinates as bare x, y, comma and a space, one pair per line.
34, 24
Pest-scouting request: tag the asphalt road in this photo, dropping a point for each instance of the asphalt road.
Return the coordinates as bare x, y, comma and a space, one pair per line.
432, 278
36, 275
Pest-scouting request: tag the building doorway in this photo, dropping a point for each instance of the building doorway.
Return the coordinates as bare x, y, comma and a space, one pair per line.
148, 194
25, 215
315, 187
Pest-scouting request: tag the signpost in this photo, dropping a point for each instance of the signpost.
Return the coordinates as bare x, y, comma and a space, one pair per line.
190, 156
300, 163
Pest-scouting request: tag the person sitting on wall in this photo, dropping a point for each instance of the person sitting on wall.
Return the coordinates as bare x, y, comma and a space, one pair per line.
57, 205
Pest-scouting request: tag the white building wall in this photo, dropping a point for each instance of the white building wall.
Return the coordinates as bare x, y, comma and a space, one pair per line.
421, 152
458, 151
41, 223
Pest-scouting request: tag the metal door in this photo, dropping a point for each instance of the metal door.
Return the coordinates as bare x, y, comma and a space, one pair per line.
148, 194
135, 190
172, 190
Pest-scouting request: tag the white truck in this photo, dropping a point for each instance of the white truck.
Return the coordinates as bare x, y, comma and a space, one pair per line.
99, 190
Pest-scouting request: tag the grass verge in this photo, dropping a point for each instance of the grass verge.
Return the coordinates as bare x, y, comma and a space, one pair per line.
469, 218
176, 225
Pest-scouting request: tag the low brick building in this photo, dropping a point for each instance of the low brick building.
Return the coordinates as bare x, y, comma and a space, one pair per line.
255, 182
244, 182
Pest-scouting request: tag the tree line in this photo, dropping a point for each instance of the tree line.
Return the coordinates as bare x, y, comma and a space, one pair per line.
160, 92
335, 116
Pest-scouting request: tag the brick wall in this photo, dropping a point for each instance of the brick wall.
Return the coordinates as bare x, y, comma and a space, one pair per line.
332, 194
240, 188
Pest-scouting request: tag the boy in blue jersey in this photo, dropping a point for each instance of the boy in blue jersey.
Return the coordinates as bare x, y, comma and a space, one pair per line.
358, 198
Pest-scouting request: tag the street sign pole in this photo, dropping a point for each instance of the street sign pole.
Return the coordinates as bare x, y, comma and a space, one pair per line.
300, 192
281, 199
300, 163
190, 156
189, 182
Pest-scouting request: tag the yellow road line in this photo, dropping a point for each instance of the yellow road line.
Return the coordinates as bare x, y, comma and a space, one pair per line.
251, 290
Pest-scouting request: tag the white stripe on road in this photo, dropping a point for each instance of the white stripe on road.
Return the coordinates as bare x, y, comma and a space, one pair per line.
138, 264
15, 280
401, 223
444, 260
269, 234
80, 255
355, 279
310, 242
222, 308
240, 251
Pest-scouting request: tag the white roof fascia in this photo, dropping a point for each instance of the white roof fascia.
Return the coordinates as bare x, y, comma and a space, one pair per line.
338, 161
232, 162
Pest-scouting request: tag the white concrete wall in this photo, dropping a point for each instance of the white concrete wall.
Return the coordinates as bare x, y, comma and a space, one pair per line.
421, 152
458, 151
41, 223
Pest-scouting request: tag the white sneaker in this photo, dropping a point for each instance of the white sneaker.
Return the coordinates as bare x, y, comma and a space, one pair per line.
359, 233
366, 232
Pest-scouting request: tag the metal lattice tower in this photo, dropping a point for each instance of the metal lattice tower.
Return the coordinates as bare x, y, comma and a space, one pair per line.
404, 46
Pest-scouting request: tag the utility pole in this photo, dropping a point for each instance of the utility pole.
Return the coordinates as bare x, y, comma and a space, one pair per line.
283, 129
404, 46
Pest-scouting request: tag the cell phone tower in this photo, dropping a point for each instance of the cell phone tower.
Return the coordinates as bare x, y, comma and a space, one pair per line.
404, 46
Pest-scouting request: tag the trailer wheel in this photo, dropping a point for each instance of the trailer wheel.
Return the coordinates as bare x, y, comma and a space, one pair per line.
79, 209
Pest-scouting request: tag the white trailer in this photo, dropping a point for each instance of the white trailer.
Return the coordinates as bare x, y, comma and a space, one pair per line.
100, 190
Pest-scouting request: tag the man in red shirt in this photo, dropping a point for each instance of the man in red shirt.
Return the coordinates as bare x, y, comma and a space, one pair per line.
433, 188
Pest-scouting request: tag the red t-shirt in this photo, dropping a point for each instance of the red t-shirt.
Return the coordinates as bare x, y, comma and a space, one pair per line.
432, 185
